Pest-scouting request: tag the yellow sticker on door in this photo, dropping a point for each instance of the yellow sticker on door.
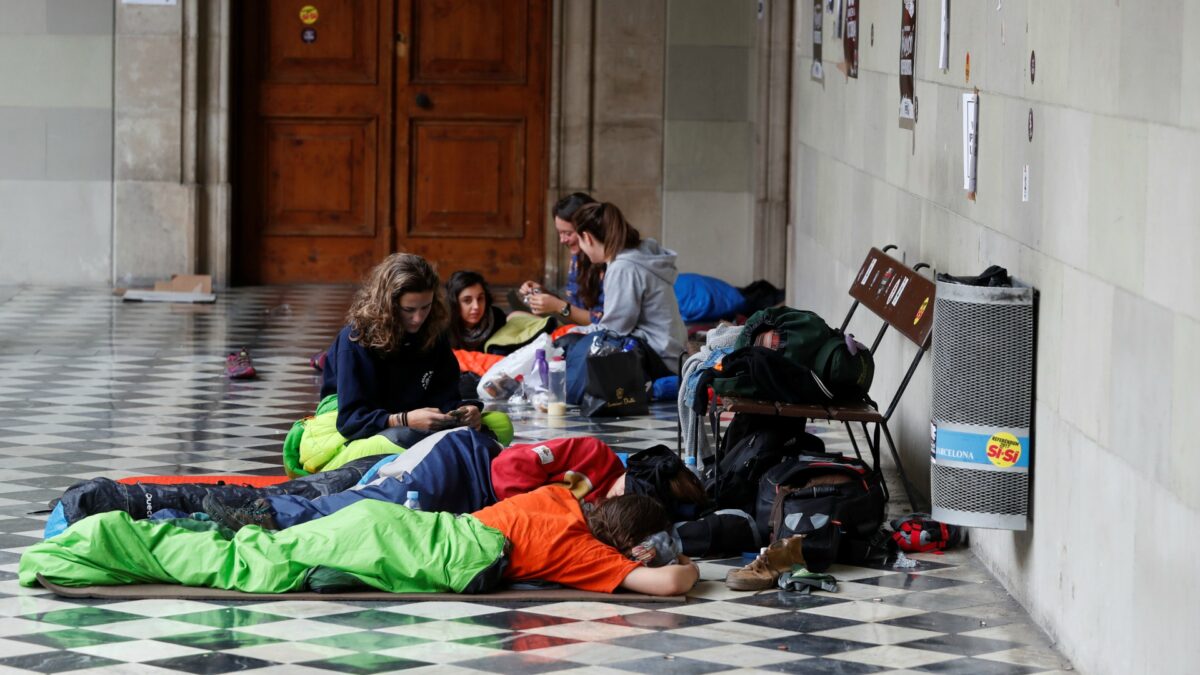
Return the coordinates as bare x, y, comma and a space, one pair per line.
1003, 449
309, 15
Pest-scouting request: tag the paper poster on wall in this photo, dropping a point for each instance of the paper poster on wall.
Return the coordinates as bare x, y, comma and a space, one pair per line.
850, 40
908, 38
970, 109
818, 70
944, 53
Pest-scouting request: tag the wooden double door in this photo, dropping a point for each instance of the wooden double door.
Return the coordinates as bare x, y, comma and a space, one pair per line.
364, 127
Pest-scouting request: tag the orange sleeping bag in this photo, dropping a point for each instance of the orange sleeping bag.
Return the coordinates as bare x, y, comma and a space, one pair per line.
475, 362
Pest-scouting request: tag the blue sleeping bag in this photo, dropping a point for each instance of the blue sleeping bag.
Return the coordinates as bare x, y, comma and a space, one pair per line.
704, 298
451, 470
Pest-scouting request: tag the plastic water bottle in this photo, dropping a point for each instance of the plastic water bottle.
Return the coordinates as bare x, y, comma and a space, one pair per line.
690, 463
414, 500
543, 368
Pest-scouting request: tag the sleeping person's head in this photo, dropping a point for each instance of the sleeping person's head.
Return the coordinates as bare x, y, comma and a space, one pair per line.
626, 521
658, 472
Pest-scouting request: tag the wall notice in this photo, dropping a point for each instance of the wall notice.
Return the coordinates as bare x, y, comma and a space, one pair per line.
970, 110
908, 42
850, 39
818, 70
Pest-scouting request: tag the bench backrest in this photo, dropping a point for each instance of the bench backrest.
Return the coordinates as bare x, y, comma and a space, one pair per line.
896, 293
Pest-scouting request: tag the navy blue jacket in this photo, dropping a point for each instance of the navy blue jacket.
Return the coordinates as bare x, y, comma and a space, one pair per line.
370, 386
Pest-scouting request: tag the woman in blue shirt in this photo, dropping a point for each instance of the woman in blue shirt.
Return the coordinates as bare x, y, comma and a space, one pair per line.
584, 298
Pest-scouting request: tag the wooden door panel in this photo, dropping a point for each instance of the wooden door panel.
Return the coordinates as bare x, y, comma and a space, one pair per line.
314, 139
321, 177
444, 52
468, 179
344, 44
471, 108
387, 125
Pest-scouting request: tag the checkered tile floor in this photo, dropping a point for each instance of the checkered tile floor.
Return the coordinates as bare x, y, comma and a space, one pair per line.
90, 386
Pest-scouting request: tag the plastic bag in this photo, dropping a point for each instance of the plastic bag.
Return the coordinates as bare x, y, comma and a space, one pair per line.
494, 385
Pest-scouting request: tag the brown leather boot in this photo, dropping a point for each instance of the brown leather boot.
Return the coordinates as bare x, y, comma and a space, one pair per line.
766, 568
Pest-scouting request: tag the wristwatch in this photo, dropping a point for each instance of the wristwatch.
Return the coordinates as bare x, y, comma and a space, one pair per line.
566, 310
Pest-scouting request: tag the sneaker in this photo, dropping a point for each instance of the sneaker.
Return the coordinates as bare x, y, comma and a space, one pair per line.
239, 367
258, 512
317, 361
774, 560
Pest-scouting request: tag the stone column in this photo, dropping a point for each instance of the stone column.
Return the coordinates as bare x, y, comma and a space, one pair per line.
171, 192
773, 141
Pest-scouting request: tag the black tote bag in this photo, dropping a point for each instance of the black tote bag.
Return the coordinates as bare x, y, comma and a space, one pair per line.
616, 386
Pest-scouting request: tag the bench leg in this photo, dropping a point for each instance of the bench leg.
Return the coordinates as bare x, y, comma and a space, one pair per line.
908, 488
850, 433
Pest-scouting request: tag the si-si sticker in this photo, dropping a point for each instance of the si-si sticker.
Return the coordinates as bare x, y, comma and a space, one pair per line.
921, 311
308, 35
1003, 449
309, 15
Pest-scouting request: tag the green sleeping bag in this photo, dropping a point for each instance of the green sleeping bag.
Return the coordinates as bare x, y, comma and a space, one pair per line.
385, 546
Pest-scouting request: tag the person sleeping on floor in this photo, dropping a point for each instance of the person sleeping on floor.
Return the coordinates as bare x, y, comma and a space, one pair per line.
458, 471
544, 535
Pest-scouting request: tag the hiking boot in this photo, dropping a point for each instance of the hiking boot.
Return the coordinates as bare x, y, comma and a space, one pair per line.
774, 560
239, 367
258, 512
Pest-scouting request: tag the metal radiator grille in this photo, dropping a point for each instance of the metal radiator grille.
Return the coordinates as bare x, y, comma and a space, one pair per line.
999, 492
983, 363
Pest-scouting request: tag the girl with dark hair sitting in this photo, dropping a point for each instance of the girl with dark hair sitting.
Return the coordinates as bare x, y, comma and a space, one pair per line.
583, 300
474, 316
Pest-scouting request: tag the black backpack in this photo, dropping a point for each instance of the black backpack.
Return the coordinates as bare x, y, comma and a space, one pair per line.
837, 502
753, 444
792, 355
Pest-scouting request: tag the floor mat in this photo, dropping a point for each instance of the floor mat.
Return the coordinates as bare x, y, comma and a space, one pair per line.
175, 592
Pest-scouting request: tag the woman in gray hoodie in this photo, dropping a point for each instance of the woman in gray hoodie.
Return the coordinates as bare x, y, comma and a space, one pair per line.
639, 284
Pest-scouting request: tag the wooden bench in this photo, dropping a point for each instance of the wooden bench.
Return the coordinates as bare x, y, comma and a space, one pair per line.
903, 299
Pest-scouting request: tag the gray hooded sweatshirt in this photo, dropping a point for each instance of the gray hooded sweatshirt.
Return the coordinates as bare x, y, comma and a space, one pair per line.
639, 300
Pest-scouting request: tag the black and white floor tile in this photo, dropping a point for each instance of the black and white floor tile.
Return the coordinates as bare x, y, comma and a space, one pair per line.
91, 386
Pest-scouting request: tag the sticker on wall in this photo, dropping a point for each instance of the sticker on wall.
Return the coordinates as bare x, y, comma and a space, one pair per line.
309, 15
970, 108
850, 40
818, 70
1003, 449
1025, 184
908, 38
1031, 125
967, 68
944, 53
921, 311
308, 35
1032, 66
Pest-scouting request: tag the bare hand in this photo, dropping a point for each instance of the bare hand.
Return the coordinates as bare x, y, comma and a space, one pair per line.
429, 419
544, 303
530, 287
468, 416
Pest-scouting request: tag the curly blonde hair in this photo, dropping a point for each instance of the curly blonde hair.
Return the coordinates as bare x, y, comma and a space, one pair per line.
374, 317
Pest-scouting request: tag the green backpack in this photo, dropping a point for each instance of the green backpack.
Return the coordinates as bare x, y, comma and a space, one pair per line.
841, 364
